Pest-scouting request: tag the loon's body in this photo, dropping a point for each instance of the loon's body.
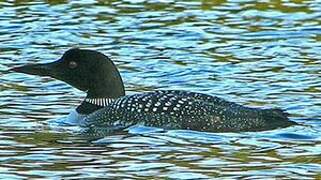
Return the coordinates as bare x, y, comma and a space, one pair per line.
185, 110
106, 104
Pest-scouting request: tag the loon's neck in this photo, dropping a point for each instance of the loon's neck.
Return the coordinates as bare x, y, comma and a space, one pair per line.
102, 102
104, 88
102, 93
108, 85
90, 105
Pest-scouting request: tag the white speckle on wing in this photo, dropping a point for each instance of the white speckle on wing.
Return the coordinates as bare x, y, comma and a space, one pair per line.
181, 101
177, 109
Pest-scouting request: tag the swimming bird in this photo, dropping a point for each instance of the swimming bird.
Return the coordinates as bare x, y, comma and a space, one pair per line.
106, 104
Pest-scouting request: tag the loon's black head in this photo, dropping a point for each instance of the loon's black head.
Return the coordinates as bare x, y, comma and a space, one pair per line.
86, 70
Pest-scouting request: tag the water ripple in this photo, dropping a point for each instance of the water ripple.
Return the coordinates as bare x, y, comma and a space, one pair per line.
257, 53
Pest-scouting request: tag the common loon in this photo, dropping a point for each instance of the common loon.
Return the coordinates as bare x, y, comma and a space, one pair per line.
106, 104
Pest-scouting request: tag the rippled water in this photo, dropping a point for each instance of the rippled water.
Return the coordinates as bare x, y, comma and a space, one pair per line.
257, 53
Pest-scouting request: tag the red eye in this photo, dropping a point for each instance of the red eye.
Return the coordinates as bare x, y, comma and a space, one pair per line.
72, 64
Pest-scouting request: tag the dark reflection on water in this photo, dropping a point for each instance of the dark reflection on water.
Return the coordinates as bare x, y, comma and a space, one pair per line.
257, 53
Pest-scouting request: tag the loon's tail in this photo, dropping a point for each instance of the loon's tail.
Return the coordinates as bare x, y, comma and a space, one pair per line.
277, 117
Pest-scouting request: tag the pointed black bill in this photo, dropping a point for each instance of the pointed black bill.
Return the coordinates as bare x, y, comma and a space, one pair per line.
48, 69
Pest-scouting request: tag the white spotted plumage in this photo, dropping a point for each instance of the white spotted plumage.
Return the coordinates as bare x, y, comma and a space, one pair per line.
176, 109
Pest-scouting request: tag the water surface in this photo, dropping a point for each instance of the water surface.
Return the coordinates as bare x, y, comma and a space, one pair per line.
256, 53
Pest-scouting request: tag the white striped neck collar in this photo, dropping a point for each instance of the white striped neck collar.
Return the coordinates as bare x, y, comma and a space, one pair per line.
99, 101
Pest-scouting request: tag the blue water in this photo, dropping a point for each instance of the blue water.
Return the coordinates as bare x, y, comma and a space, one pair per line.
255, 53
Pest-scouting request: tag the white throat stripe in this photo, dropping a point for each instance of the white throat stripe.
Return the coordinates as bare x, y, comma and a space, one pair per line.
99, 101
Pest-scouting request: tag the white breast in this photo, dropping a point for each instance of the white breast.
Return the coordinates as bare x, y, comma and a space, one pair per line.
74, 118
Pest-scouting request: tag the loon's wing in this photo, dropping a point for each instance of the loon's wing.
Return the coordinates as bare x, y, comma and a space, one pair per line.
185, 110
200, 97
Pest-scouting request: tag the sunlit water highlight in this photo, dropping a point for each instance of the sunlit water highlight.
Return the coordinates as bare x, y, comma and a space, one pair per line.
251, 52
